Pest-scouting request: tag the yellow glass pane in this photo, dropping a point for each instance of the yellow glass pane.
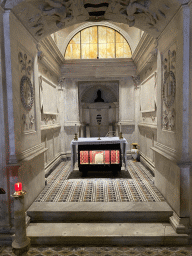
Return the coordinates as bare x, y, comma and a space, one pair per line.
76, 51
127, 51
110, 35
93, 51
93, 35
119, 50
68, 53
102, 51
119, 38
85, 36
102, 35
85, 51
76, 39
111, 50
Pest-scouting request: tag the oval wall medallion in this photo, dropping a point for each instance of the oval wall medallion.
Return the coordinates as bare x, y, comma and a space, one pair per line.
26, 91
169, 87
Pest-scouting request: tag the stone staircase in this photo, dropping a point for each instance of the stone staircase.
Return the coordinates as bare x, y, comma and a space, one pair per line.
102, 224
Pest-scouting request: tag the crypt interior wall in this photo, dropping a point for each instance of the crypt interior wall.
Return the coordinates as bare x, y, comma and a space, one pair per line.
38, 131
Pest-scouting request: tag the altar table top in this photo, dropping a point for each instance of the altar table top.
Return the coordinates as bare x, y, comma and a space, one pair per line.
104, 140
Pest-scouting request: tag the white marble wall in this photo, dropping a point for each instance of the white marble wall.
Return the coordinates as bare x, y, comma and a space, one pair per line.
27, 145
172, 154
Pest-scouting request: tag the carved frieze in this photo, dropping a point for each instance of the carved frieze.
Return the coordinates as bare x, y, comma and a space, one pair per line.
169, 88
49, 121
26, 91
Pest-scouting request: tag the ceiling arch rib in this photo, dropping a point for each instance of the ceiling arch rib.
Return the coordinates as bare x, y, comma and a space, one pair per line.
44, 17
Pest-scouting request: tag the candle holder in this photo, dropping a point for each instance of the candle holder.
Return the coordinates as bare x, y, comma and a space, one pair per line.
120, 133
18, 190
120, 136
21, 243
75, 137
99, 118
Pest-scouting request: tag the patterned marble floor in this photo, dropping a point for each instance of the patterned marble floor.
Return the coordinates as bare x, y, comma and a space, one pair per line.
138, 189
102, 251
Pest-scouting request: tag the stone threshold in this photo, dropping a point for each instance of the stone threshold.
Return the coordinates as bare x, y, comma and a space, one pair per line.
105, 234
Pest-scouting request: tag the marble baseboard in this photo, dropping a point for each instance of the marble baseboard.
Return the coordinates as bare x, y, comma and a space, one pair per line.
146, 161
180, 225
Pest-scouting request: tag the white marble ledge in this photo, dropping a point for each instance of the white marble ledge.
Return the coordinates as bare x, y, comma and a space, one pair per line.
165, 151
126, 122
152, 127
31, 153
49, 127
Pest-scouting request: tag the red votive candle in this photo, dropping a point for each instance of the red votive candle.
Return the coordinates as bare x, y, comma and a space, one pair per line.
18, 186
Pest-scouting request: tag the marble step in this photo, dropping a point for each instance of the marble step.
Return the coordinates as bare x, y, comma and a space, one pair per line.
106, 212
105, 234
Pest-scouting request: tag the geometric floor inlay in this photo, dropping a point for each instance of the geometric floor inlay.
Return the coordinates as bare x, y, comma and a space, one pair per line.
138, 189
102, 251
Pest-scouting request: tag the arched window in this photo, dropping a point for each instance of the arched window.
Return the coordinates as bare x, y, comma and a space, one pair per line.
98, 42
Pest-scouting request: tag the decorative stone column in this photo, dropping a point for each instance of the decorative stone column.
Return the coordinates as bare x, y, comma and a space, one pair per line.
8, 73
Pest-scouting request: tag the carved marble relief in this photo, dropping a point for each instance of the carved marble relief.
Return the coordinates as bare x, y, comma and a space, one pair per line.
169, 88
132, 9
26, 91
47, 119
136, 81
57, 11
60, 10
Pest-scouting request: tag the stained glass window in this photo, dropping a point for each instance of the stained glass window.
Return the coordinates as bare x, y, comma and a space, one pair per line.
98, 41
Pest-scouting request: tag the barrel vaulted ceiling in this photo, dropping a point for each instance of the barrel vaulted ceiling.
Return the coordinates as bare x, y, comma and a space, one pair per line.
43, 17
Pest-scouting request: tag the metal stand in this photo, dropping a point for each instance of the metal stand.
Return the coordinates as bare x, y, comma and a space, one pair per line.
99, 131
21, 243
75, 138
120, 136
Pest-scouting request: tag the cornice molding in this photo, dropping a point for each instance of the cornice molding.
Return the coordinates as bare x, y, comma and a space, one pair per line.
126, 122
98, 68
151, 127
50, 127
31, 153
51, 47
49, 55
165, 151
72, 123
145, 44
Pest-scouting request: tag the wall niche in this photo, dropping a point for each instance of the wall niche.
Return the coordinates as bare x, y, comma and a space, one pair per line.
98, 98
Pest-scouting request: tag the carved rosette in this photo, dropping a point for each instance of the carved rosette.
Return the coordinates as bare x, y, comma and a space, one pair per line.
26, 91
169, 89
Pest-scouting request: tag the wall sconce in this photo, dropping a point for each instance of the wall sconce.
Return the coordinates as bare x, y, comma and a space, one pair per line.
18, 190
